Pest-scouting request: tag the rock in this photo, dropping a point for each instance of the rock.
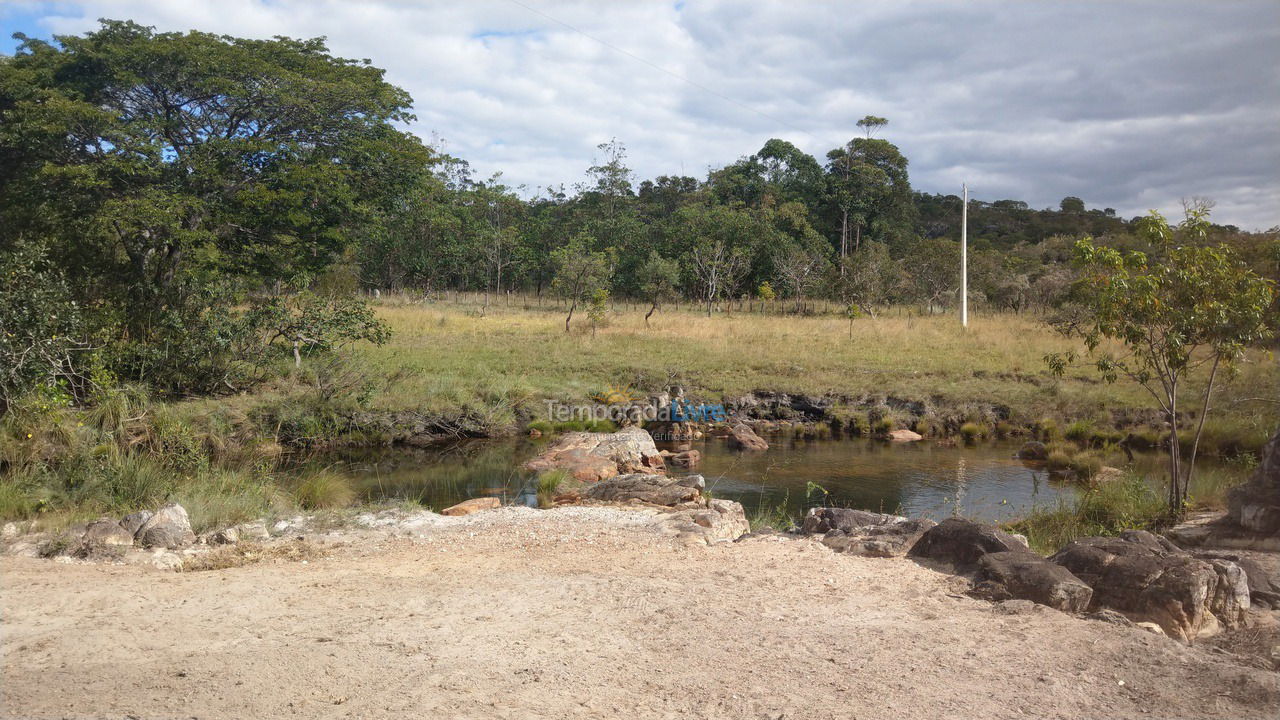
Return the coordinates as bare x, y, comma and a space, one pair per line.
1108, 474
133, 521
592, 457
474, 505
1255, 505
166, 561
10, 531
225, 536
256, 530
1151, 627
821, 520
961, 543
1033, 450
904, 435
686, 459
535, 433
652, 489
1110, 616
1149, 580
1219, 531
105, 531
742, 436
720, 521
1024, 575
168, 527
858, 532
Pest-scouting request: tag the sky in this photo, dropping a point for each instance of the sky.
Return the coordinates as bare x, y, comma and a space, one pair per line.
1127, 105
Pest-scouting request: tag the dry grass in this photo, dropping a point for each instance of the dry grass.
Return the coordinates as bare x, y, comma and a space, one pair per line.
449, 356
248, 553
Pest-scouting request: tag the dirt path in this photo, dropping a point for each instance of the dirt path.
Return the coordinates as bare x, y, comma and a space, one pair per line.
526, 614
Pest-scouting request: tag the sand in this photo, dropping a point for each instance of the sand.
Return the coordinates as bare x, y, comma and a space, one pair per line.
578, 612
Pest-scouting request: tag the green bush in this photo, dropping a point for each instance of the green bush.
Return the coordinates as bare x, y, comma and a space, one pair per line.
548, 483
1108, 509
545, 427
1079, 432
972, 432
1046, 430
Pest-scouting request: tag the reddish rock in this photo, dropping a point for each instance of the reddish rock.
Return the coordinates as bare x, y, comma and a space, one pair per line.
466, 507
742, 436
591, 457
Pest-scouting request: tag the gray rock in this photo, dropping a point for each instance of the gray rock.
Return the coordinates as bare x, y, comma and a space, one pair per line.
720, 521
253, 531
1110, 616
133, 521
1255, 505
653, 489
105, 531
869, 534
960, 543
1149, 580
1024, 575
169, 527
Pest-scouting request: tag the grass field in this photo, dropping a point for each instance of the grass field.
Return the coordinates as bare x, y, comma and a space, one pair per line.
445, 355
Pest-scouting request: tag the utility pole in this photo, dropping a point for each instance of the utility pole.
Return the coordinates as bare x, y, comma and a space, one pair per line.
964, 259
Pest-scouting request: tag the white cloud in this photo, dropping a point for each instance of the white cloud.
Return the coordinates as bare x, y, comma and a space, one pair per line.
1128, 106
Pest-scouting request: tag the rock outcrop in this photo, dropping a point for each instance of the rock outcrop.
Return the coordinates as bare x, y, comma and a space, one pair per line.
743, 437
592, 457
1024, 575
961, 543
904, 435
169, 527
1149, 579
647, 488
1255, 505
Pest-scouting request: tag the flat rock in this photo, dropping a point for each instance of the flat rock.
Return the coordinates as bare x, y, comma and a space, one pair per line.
960, 543
647, 488
904, 435
1149, 579
1024, 575
719, 521
466, 507
859, 532
169, 527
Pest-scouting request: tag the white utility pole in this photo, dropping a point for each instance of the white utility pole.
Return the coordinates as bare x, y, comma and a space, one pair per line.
964, 259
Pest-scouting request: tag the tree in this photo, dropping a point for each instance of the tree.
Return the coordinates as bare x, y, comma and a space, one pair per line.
158, 165
1071, 204
659, 278
1192, 306
871, 123
598, 310
580, 271
932, 270
869, 189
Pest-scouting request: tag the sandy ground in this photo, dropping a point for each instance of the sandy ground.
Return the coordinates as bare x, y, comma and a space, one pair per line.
577, 613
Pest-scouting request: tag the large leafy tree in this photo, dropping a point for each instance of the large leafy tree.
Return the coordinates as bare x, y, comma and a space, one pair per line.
869, 190
157, 163
1190, 306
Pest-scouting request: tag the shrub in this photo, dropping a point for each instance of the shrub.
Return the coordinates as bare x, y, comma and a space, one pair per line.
543, 426
1079, 431
1108, 509
1086, 465
324, 490
972, 432
548, 483
1046, 430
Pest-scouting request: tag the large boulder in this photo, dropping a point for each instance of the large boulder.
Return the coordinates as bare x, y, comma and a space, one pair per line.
686, 459
592, 457
105, 531
904, 435
1150, 580
719, 521
1262, 573
961, 543
1255, 505
1024, 575
645, 488
743, 437
169, 528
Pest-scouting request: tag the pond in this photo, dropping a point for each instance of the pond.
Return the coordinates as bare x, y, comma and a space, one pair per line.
917, 479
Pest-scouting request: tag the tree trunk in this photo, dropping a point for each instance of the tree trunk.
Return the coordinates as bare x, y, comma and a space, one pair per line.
648, 314
569, 317
1195, 443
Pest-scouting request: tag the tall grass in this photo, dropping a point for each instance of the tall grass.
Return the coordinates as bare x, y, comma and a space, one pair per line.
1127, 504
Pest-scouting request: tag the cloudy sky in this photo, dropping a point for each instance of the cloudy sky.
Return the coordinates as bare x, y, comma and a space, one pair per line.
1126, 105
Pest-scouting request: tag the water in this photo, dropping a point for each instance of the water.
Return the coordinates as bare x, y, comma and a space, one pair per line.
917, 479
